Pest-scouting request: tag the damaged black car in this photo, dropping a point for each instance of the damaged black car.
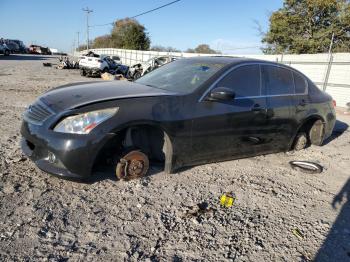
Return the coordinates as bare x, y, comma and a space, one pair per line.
188, 112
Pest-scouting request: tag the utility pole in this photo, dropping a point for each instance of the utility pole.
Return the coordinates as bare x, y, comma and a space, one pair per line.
88, 11
328, 68
78, 40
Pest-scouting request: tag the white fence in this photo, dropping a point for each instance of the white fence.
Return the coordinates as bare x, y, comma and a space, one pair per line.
329, 72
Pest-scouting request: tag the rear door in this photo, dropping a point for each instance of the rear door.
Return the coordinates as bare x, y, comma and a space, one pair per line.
278, 85
301, 100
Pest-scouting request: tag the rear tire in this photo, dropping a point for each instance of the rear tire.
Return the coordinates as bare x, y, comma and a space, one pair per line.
7, 53
300, 142
316, 133
82, 72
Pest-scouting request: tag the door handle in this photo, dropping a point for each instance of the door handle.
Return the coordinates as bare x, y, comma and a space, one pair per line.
302, 103
257, 108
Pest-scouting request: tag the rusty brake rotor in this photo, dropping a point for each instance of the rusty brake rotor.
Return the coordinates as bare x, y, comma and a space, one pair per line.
133, 165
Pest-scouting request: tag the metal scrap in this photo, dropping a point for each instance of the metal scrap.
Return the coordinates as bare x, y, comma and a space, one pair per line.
296, 232
306, 166
65, 63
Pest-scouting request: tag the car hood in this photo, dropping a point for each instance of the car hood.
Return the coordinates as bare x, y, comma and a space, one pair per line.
80, 94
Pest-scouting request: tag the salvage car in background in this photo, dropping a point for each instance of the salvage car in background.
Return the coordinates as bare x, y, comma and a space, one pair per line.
4, 49
190, 111
95, 65
140, 69
18, 46
15, 46
39, 50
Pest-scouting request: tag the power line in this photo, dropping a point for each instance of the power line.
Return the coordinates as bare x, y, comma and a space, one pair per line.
143, 13
173, 2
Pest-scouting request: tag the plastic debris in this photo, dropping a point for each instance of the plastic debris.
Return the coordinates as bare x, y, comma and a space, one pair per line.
306, 166
296, 232
108, 76
227, 199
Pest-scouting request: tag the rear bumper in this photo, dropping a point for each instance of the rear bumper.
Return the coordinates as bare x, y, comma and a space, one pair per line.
330, 122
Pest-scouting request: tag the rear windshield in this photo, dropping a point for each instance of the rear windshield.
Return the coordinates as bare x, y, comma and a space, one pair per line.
181, 76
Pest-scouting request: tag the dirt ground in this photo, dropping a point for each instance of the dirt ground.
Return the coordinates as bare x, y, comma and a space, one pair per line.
44, 218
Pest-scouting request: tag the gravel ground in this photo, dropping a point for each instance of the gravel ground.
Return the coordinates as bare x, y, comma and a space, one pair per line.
44, 218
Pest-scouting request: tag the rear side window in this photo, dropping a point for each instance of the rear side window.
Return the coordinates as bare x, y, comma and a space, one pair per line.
300, 83
277, 80
244, 81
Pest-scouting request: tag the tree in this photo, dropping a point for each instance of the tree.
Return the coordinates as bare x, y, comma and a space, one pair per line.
202, 49
160, 48
81, 47
104, 41
129, 34
306, 26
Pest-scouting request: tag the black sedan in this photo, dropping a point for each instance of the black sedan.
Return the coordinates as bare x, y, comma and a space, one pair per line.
188, 112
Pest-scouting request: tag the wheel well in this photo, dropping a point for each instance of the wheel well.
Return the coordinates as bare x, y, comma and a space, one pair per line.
151, 140
307, 125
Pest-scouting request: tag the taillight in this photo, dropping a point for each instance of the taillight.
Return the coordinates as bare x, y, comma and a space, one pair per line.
334, 103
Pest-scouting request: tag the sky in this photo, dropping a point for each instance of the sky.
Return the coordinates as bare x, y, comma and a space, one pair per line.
226, 25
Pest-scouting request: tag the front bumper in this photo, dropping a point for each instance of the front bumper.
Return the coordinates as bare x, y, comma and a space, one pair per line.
69, 156
92, 71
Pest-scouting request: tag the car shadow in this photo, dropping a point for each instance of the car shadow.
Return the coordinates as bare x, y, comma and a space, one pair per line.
336, 247
339, 128
25, 57
107, 172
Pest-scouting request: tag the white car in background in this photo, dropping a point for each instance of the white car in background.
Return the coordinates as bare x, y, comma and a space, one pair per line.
94, 65
140, 69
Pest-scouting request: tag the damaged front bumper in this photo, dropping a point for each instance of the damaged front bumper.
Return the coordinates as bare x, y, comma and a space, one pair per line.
65, 155
91, 71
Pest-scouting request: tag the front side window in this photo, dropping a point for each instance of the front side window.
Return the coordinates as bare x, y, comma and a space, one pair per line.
183, 76
277, 80
244, 81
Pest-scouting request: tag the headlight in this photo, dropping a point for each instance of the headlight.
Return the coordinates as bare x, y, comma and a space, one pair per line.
84, 123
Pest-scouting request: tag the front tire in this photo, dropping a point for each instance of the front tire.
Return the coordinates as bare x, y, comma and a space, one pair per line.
7, 53
137, 75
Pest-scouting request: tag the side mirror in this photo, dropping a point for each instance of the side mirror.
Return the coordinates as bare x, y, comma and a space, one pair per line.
221, 94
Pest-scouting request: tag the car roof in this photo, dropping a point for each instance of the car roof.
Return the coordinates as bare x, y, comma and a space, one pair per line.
230, 60
224, 59
233, 60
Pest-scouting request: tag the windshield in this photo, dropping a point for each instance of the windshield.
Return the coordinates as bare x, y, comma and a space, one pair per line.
182, 76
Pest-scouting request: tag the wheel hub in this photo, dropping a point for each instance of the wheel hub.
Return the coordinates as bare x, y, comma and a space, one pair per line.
133, 165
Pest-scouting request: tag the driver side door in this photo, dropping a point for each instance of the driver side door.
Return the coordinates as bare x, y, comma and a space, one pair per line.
226, 129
